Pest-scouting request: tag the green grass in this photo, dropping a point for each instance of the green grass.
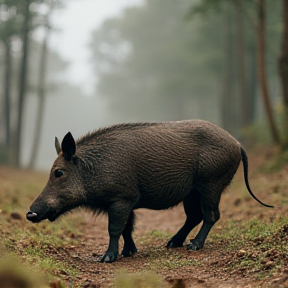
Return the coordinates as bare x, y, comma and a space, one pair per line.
40, 251
257, 246
173, 262
159, 257
254, 247
249, 230
34, 245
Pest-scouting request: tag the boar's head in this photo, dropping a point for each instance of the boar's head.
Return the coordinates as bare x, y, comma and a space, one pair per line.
64, 190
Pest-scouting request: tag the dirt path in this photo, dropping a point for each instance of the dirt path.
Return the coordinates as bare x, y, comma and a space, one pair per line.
208, 266
213, 266
95, 239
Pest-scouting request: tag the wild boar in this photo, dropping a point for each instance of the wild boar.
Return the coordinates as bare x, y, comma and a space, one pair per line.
143, 165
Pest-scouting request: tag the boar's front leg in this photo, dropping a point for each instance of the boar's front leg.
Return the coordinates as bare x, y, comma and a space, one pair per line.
118, 214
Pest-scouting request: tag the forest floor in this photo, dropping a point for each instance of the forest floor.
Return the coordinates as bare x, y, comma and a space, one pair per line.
247, 247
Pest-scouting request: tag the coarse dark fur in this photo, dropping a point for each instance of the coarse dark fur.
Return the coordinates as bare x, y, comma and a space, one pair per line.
143, 165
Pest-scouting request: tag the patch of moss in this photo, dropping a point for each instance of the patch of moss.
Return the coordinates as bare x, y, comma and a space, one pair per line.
36, 246
146, 279
13, 273
255, 246
276, 163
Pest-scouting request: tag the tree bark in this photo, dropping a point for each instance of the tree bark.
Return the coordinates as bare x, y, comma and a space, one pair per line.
283, 70
41, 91
7, 97
262, 72
242, 83
226, 98
252, 81
22, 81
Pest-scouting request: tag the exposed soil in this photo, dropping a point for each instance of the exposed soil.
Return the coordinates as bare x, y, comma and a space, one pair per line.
212, 274
209, 266
214, 271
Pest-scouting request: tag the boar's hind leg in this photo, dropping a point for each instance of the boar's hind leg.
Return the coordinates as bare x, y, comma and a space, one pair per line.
192, 208
118, 214
209, 203
129, 245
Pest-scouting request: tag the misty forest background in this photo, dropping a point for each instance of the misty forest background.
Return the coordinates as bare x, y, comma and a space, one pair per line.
224, 61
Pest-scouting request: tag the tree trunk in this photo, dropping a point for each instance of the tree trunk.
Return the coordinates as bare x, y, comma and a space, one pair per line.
226, 98
41, 91
283, 70
7, 97
242, 83
262, 72
252, 81
22, 81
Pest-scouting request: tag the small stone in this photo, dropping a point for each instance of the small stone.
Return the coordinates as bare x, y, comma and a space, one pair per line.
241, 252
56, 284
268, 264
178, 283
63, 272
16, 216
237, 202
71, 235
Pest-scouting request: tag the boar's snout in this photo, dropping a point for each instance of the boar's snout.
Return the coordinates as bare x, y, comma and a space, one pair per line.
32, 216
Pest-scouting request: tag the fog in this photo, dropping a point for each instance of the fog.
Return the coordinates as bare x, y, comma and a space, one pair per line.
118, 61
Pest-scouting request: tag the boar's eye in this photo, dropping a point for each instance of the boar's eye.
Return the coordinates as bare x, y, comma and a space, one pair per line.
58, 173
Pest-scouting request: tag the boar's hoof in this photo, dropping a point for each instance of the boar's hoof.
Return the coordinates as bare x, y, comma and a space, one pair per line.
127, 252
194, 245
108, 257
173, 244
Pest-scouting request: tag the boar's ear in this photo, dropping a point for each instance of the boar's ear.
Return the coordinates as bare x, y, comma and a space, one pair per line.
57, 146
68, 146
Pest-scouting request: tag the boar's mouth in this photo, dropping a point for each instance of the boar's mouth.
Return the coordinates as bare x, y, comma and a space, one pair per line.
37, 217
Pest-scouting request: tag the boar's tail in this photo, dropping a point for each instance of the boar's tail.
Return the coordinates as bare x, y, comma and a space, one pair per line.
245, 167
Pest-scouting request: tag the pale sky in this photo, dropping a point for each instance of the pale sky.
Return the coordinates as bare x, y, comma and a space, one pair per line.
76, 22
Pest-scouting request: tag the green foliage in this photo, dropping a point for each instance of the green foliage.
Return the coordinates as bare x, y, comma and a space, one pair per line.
205, 7
4, 154
180, 59
148, 54
255, 133
276, 163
